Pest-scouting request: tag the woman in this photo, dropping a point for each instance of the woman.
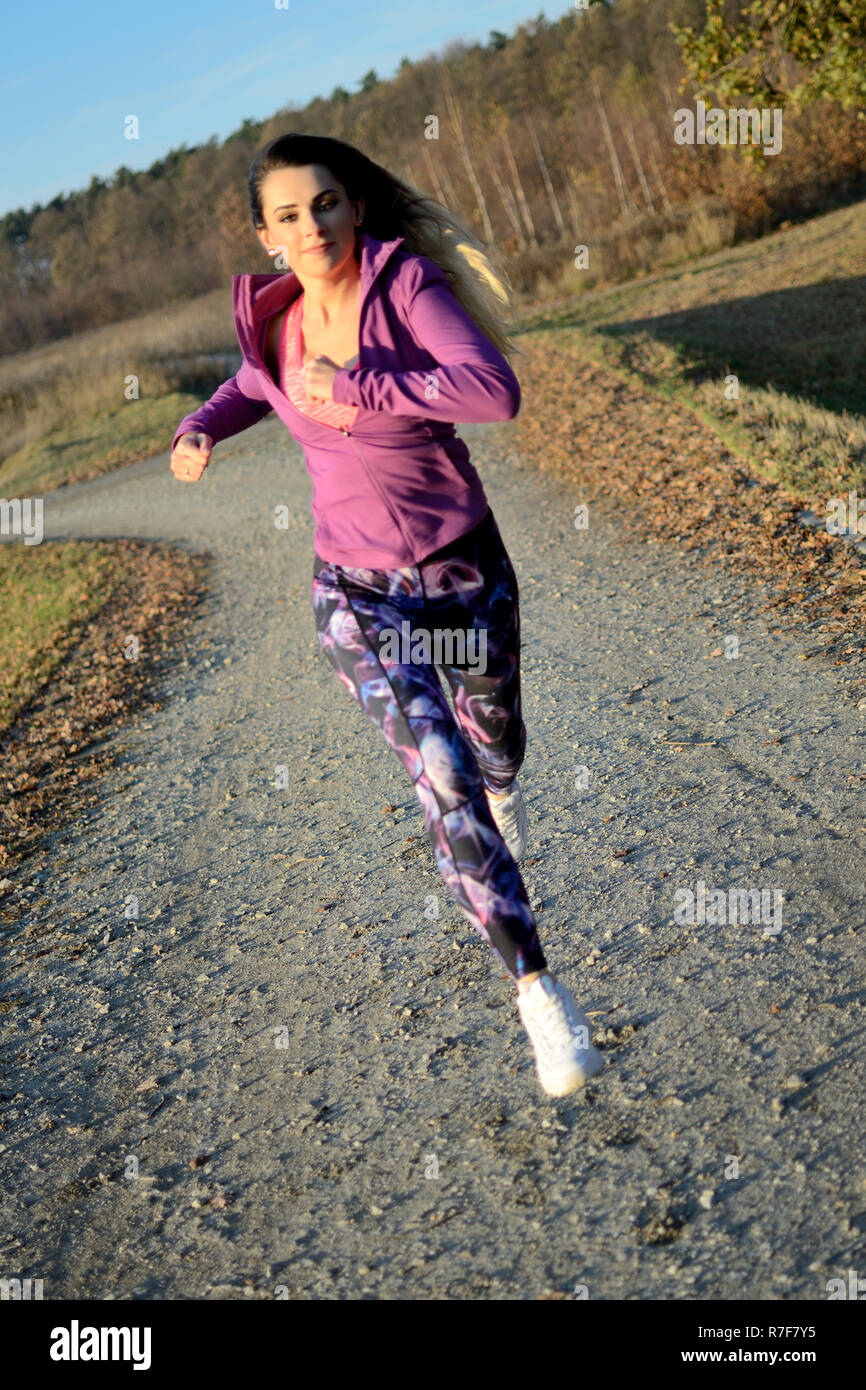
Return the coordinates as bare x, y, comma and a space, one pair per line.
384, 334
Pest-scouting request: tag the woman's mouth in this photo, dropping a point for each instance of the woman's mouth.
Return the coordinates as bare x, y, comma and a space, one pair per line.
318, 250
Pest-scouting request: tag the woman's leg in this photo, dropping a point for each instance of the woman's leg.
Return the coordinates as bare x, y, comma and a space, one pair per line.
407, 704
486, 695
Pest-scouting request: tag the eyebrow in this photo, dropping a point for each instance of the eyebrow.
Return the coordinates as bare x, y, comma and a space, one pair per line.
320, 194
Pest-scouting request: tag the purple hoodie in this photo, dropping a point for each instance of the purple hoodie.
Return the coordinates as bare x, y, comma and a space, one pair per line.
400, 484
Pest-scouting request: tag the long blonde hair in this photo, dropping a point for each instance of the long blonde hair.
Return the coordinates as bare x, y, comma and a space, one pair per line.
392, 208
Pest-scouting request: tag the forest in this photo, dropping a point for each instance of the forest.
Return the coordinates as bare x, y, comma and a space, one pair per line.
561, 133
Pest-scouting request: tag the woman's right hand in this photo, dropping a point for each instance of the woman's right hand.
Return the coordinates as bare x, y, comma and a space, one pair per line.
191, 456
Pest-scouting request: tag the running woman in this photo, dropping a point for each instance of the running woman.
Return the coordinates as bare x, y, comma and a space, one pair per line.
380, 331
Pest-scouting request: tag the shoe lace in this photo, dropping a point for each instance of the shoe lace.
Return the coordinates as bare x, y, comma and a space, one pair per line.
555, 1023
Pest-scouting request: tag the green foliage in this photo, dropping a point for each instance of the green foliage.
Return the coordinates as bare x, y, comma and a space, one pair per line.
779, 52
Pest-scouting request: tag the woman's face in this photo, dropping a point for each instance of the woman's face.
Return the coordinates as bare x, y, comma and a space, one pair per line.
304, 210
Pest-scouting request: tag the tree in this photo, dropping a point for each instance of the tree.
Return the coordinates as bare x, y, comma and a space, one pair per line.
780, 52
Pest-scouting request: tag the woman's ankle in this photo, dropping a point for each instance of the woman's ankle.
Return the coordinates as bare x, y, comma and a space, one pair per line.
525, 981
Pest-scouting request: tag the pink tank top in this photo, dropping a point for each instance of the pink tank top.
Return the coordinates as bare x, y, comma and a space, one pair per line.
292, 378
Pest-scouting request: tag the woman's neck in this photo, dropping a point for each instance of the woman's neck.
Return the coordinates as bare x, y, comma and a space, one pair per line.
327, 301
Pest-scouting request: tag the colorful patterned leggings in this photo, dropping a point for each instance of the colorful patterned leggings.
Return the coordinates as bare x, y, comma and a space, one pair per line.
380, 629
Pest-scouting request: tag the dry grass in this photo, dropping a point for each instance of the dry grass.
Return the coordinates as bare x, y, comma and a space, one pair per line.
633, 246
786, 315
76, 381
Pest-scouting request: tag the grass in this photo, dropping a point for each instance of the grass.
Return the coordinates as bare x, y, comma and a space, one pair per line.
785, 315
95, 443
64, 412
48, 594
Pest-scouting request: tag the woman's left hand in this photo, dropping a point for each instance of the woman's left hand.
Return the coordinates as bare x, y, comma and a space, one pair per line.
319, 378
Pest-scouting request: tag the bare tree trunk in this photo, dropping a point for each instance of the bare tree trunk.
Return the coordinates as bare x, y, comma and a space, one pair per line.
635, 154
508, 203
450, 191
666, 202
434, 176
518, 190
572, 201
625, 202
480, 200
542, 164
666, 83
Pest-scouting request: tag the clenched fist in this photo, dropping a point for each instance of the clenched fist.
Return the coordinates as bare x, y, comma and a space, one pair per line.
191, 456
319, 378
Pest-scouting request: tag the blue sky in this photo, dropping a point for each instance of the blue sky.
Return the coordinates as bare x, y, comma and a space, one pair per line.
71, 72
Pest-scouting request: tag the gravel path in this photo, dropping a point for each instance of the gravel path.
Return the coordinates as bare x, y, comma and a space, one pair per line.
354, 1069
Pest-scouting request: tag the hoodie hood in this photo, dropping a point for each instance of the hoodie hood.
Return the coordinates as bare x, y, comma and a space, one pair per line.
257, 296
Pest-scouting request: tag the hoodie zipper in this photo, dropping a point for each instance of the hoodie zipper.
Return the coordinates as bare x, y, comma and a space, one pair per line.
342, 429
375, 483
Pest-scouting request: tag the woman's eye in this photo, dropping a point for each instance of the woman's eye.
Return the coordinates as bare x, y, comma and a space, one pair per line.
326, 206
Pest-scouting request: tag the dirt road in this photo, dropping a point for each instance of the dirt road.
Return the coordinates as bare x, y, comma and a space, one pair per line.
353, 1067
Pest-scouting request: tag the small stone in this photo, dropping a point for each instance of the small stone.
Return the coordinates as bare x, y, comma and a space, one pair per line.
706, 1198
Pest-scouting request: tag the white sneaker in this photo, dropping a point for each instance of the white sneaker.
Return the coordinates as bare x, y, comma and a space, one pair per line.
510, 817
560, 1035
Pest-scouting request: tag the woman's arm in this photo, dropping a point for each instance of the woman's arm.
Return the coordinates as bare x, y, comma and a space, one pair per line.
230, 409
471, 382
